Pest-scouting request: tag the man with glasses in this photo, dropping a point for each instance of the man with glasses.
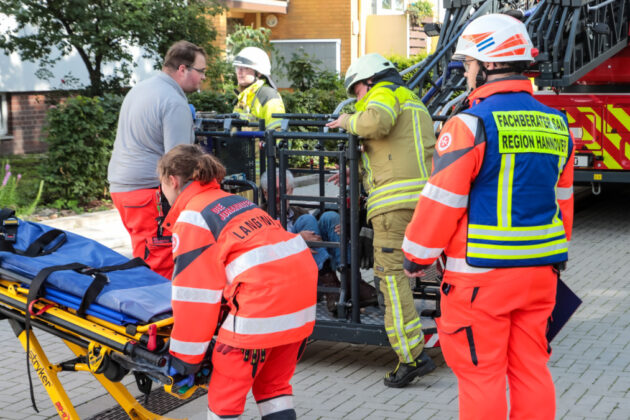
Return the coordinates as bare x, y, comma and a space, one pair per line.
154, 118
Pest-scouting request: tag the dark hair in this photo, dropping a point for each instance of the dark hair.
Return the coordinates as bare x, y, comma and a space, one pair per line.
182, 52
192, 163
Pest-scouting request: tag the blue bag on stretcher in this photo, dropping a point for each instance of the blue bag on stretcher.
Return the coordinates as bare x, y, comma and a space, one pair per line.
131, 296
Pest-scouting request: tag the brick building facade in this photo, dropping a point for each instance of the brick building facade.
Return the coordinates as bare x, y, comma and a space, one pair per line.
25, 120
315, 20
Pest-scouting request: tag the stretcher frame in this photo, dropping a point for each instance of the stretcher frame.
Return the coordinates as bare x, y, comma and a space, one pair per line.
105, 350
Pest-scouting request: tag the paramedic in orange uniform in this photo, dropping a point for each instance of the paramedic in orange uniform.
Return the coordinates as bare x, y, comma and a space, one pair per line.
225, 247
499, 206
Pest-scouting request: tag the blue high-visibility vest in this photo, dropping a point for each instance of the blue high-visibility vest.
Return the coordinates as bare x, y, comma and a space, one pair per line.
514, 218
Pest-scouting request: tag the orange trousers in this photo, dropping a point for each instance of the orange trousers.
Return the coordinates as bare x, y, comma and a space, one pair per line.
139, 212
233, 376
496, 330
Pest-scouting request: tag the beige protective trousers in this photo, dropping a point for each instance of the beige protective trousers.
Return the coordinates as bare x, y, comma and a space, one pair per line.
402, 322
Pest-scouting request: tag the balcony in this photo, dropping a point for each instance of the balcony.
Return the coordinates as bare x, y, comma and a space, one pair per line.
258, 6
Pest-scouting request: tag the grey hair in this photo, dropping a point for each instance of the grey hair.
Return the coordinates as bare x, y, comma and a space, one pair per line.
263, 179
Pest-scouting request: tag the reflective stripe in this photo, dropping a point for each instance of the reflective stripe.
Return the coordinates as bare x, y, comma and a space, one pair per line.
189, 348
192, 218
394, 186
470, 121
353, 123
417, 340
412, 325
420, 251
556, 216
504, 193
529, 233
212, 416
193, 294
417, 134
512, 252
415, 105
274, 405
412, 343
366, 166
274, 324
392, 200
387, 109
273, 125
445, 197
459, 265
264, 254
397, 314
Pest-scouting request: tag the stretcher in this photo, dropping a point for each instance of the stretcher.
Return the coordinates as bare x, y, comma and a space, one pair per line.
113, 313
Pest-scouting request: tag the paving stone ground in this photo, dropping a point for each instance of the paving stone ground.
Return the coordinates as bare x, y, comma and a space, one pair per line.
590, 361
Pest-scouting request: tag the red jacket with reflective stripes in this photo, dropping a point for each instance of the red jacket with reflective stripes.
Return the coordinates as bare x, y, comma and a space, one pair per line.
440, 221
225, 246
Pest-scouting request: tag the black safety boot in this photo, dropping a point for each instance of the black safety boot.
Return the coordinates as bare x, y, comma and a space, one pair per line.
406, 372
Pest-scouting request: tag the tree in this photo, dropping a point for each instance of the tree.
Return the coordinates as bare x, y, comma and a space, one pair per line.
102, 31
419, 10
246, 36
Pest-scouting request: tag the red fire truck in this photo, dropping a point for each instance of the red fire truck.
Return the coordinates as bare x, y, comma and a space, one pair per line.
583, 69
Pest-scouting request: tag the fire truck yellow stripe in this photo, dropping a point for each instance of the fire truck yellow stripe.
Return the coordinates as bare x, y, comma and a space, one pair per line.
613, 138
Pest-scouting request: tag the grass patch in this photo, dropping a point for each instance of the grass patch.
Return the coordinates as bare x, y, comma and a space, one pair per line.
27, 167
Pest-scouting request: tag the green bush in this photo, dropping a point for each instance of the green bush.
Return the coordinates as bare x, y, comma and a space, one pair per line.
402, 63
213, 101
313, 101
80, 134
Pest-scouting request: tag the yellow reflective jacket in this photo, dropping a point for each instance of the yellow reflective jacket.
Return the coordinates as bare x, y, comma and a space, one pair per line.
260, 101
398, 142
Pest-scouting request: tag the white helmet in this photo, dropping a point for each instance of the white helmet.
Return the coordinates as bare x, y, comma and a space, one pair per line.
495, 38
365, 67
253, 58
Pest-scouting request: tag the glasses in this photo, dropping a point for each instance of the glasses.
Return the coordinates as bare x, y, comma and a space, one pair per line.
200, 71
466, 63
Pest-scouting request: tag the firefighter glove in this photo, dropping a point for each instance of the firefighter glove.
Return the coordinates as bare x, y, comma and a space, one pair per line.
366, 248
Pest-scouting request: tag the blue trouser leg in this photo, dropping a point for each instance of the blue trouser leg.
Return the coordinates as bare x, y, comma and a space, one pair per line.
309, 222
327, 223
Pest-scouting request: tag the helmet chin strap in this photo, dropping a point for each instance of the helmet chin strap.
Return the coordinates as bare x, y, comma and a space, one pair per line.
369, 85
253, 81
483, 73
482, 76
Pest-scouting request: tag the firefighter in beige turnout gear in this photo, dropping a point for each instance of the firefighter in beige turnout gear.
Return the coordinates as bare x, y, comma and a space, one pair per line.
398, 141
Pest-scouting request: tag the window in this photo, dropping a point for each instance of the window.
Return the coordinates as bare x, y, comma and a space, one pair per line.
4, 115
328, 51
388, 7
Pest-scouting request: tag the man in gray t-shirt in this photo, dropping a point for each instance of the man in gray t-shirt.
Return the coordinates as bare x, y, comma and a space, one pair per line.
154, 118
